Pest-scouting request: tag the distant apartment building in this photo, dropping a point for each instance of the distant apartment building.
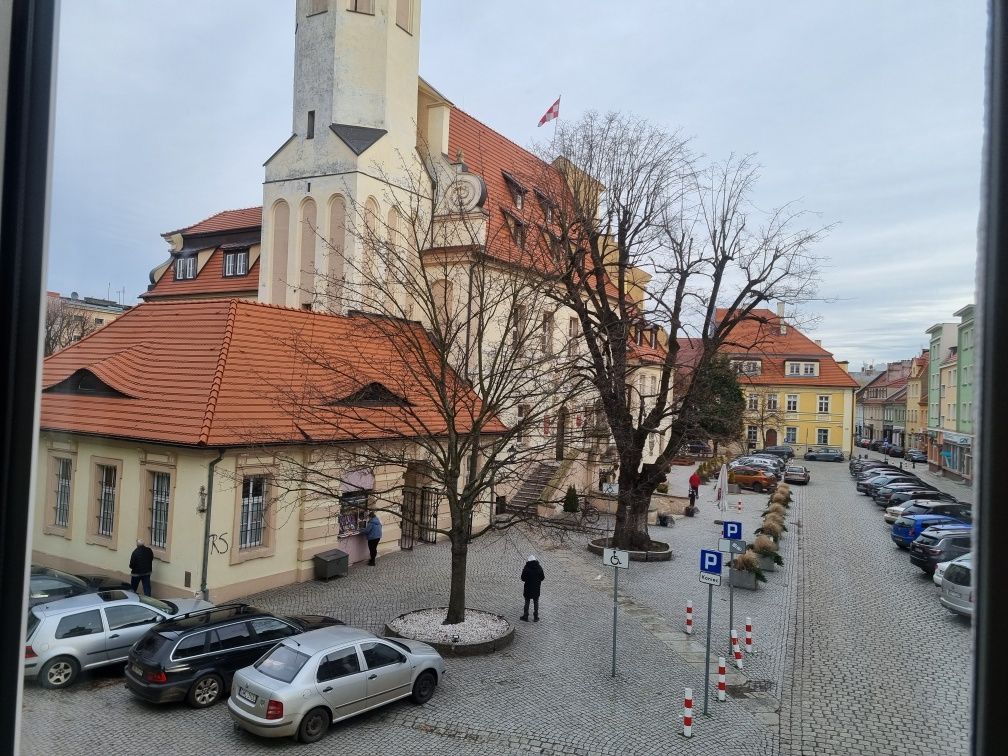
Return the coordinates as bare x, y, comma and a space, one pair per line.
951, 372
69, 319
917, 402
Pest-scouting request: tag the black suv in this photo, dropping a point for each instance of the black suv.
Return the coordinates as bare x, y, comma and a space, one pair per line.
784, 452
195, 655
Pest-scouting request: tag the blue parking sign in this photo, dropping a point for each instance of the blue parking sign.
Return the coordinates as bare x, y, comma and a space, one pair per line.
731, 529
710, 561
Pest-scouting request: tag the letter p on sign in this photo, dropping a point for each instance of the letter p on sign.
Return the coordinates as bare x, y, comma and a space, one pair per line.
710, 561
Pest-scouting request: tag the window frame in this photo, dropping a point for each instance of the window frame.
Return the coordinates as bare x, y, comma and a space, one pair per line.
354, 6
343, 652
145, 521
50, 523
822, 436
409, 15
790, 438
190, 271
788, 406
820, 403
267, 543
235, 254
94, 536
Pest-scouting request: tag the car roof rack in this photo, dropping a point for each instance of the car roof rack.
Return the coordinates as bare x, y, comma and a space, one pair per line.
239, 605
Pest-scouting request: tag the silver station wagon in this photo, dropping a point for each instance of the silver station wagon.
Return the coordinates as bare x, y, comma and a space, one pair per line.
91, 630
308, 681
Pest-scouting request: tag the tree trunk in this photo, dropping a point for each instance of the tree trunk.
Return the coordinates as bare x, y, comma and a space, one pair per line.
457, 593
631, 531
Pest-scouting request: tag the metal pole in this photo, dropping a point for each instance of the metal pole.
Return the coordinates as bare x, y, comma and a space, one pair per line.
615, 590
731, 606
706, 676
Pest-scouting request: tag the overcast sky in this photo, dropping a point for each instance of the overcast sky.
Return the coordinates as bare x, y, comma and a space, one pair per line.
869, 113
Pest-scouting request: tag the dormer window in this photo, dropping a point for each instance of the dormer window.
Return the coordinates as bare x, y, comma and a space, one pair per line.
747, 367
185, 268
517, 227
654, 338
516, 189
547, 206
236, 262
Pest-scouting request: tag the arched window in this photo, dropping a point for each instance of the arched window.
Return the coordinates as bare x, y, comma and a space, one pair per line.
309, 229
337, 250
394, 263
281, 232
371, 277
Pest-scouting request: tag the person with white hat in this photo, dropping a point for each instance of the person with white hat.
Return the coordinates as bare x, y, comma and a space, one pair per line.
141, 565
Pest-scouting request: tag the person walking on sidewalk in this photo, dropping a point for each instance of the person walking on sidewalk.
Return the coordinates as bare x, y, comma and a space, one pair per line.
532, 575
141, 565
373, 533
694, 484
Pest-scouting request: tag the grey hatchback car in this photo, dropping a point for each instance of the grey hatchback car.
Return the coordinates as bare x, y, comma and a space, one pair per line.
91, 630
307, 682
957, 587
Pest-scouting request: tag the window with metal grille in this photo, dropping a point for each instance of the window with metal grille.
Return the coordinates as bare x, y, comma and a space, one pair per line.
106, 499
61, 516
253, 511
160, 494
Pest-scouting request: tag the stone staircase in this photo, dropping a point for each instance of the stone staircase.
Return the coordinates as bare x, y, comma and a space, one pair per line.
532, 489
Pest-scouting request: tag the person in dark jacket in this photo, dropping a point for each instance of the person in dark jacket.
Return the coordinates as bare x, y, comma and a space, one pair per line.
141, 565
532, 576
373, 533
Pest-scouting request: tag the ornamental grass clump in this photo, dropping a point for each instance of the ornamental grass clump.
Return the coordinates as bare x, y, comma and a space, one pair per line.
775, 508
784, 499
748, 562
772, 529
776, 520
764, 546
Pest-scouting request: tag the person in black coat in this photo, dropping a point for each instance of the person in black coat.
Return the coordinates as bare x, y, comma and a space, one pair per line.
532, 575
141, 565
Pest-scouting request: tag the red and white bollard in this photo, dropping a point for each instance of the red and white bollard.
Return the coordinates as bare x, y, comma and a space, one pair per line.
689, 618
736, 650
687, 715
738, 507
721, 672
748, 636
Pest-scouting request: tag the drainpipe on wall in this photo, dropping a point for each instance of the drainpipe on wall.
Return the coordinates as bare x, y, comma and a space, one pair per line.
206, 524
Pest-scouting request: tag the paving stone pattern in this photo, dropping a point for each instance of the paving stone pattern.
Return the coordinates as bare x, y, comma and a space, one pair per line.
830, 630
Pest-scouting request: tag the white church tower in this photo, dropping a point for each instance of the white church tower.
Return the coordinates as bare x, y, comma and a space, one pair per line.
355, 107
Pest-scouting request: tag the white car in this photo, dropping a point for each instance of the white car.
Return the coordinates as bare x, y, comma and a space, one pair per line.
942, 566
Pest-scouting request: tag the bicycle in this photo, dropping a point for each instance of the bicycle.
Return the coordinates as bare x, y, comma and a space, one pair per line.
589, 513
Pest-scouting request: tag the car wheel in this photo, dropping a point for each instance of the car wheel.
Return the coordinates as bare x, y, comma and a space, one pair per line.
314, 725
904, 548
758, 487
423, 688
59, 672
206, 691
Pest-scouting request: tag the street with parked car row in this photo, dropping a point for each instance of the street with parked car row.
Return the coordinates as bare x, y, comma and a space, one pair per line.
852, 643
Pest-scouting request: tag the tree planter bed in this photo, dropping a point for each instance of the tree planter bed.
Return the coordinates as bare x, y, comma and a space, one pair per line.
658, 551
481, 633
742, 579
767, 563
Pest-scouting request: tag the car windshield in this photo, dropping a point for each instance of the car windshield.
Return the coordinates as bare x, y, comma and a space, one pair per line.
281, 663
165, 606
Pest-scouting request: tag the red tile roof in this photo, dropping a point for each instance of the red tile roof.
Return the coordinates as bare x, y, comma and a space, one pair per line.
759, 337
210, 281
226, 220
238, 373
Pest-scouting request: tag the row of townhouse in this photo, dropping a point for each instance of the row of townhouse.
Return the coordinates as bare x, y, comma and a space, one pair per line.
256, 361
926, 402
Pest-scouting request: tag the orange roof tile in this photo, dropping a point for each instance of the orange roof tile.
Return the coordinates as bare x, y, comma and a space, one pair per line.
209, 280
237, 373
226, 220
759, 337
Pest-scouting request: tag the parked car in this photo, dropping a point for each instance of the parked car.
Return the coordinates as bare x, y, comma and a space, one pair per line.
895, 451
748, 476
893, 511
194, 656
48, 584
915, 455
957, 587
871, 485
865, 443
907, 527
884, 494
770, 464
825, 454
930, 494
783, 451
876, 445
940, 544
957, 509
942, 566
870, 471
91, 630
697, 448
302, 686
778, 464
796, 474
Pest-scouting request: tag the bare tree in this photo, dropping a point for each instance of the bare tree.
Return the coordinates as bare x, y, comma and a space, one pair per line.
473, 368
64, 324
634, 199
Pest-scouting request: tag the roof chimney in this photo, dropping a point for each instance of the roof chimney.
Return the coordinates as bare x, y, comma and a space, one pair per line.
818, 342
780, 318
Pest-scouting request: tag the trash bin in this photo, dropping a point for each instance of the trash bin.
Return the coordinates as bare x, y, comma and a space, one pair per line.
330, 564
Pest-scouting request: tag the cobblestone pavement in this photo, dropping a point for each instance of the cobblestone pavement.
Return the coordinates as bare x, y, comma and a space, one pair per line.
838, 634
876, 664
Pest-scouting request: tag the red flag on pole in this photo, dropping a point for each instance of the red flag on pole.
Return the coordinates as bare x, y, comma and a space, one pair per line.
553, 112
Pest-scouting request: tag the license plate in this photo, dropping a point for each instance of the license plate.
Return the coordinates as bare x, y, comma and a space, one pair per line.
250, 697
137, 670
